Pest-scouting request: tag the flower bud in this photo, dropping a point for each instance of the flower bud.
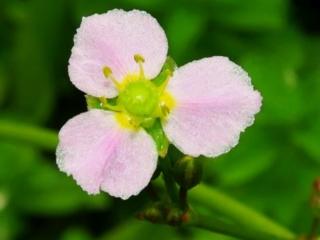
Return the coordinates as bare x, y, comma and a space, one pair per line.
174, 217
152, 214
188, 171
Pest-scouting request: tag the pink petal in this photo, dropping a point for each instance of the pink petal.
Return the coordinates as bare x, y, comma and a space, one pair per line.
112, 39
215, 103
99, 154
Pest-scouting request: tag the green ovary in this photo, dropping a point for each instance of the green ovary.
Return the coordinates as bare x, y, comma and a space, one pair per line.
140, 98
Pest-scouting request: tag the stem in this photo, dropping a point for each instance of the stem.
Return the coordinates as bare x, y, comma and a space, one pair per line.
241, 214
40, 137
152, 192
229, 229
130, 229
170, 185
183, 195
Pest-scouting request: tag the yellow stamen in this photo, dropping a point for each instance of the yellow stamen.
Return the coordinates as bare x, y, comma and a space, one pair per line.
107, 72
140, 60
126, 121
164, 110
167, 103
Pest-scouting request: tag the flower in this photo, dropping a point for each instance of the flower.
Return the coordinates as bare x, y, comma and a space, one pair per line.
203, 106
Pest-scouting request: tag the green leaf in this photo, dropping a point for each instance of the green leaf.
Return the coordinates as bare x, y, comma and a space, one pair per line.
249, 15
284, 189
45, 190
10, 225
310, 73
135, 229
19, 160
276, 79
49, 191
245, 162
33, 59
3, 84
183, 29
146, 5
76, 234
308, 139
83, 8
200, 234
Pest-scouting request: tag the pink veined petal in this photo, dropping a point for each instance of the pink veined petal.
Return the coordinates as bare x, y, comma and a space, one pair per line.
112, 39
215, 103
100, 155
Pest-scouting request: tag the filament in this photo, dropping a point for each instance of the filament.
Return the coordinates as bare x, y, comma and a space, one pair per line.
140, 60
107, 72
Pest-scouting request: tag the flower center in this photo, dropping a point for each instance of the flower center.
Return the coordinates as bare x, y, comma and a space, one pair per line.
140, 98
140, 101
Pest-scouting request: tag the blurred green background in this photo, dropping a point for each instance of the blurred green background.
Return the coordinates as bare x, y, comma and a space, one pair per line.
276, 41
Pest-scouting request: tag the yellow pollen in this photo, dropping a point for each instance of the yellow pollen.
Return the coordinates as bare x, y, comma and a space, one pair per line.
126, 121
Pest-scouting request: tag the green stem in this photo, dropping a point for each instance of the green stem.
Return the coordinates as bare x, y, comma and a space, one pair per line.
168, 179
183, 197
203, 195
44, 138
241, 214
230, 229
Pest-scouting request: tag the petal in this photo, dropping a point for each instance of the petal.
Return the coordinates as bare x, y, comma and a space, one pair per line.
112, 39
99, 154
215, 102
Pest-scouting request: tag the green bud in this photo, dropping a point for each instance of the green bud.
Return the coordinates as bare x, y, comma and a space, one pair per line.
174, 217
188, 171
153, 215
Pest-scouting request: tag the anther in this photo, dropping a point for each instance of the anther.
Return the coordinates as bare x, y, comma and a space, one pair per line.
107, 72
140, 60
